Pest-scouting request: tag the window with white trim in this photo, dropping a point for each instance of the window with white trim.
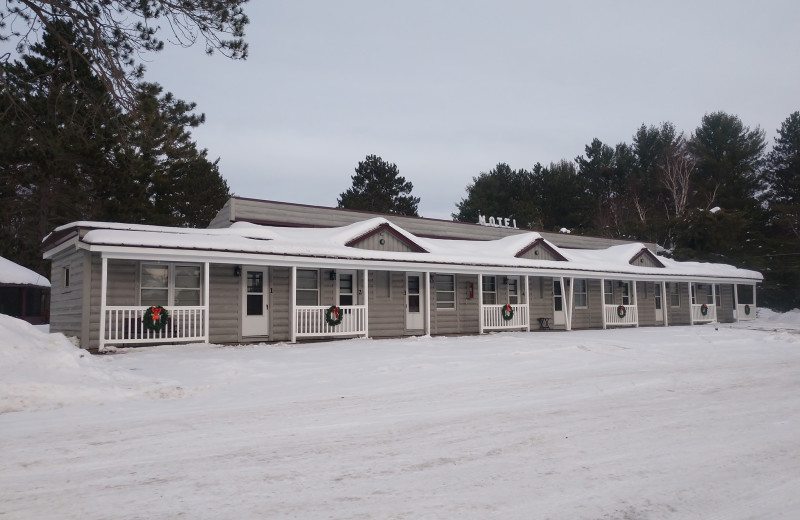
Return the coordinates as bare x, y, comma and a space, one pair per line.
168, 284
709, 294
489, 290
307, 289
580, 294
717, 295
513, 290
608, 290
445, 291
155, 284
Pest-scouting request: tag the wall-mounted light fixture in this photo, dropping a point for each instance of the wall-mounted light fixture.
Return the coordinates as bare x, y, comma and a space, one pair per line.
237, 270
332, 275
505, 280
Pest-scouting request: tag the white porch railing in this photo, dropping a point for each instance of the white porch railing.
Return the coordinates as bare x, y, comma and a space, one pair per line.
746, 311
613, 318
697, 313
493, 317
310, 321
124, 325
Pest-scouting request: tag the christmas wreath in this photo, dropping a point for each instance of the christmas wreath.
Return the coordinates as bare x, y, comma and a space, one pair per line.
704, 309
507, 312
622, 311
333, 316
155, 318
747, 310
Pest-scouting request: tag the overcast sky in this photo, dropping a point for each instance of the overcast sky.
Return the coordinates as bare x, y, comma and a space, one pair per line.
447, 89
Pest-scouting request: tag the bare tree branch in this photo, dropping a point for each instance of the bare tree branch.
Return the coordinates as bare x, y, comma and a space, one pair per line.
117, 33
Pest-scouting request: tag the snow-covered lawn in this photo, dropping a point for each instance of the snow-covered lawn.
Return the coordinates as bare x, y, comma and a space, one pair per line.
650, 423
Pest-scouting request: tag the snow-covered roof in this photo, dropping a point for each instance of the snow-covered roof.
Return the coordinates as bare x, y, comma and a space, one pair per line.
332, 243
15, 274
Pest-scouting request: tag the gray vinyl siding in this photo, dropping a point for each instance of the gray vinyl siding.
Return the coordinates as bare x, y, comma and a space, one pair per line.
94, 302
464, 318
680, 315
387, 315
224, 216
224, 300
540, 289
66, 303
646, 303
725, 312
391, 243
592, 316
280, 303
539, 253
123, 282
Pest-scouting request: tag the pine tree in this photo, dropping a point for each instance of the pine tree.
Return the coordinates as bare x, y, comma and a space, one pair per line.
378, 186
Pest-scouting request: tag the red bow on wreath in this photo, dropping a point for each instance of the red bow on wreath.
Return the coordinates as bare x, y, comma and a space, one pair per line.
335, 313
156, 313
508, 307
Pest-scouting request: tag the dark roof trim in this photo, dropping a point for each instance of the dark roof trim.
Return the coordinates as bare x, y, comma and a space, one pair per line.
389, 229
544, 244
646, 252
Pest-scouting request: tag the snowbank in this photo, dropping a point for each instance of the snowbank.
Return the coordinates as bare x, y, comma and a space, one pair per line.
41, 371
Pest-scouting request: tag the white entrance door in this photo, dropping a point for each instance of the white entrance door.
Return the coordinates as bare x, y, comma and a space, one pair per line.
659, 304
559, 316
255, 301
415, 305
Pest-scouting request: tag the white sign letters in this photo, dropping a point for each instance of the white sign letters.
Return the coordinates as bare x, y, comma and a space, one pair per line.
503, 222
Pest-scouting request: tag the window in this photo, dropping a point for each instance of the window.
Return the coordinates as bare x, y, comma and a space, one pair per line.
709, 294
187, 285
513, 290
608, 290
255, 293
718, 297
558, 299
155, 284
674, 295
170, 284
626, 293
345, 289
66, 276
657, 293
445, 291
489, 290
307, 287
581, 300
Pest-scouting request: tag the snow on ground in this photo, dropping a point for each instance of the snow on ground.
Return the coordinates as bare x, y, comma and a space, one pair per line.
650, 423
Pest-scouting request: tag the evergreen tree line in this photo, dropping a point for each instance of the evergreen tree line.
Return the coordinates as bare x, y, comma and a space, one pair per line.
716, 195
69, 151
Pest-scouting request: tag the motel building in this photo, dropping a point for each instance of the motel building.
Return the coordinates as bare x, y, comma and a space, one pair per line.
276, 271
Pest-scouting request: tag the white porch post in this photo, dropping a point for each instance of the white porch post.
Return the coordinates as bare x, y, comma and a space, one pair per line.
206, 300
427, 303
714, 300
293, 306
664, 307
366, 303
692, 298
754, 299
635, 301
736, 303
103, 288
528, 303
480, 303
603, 300
568, 306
